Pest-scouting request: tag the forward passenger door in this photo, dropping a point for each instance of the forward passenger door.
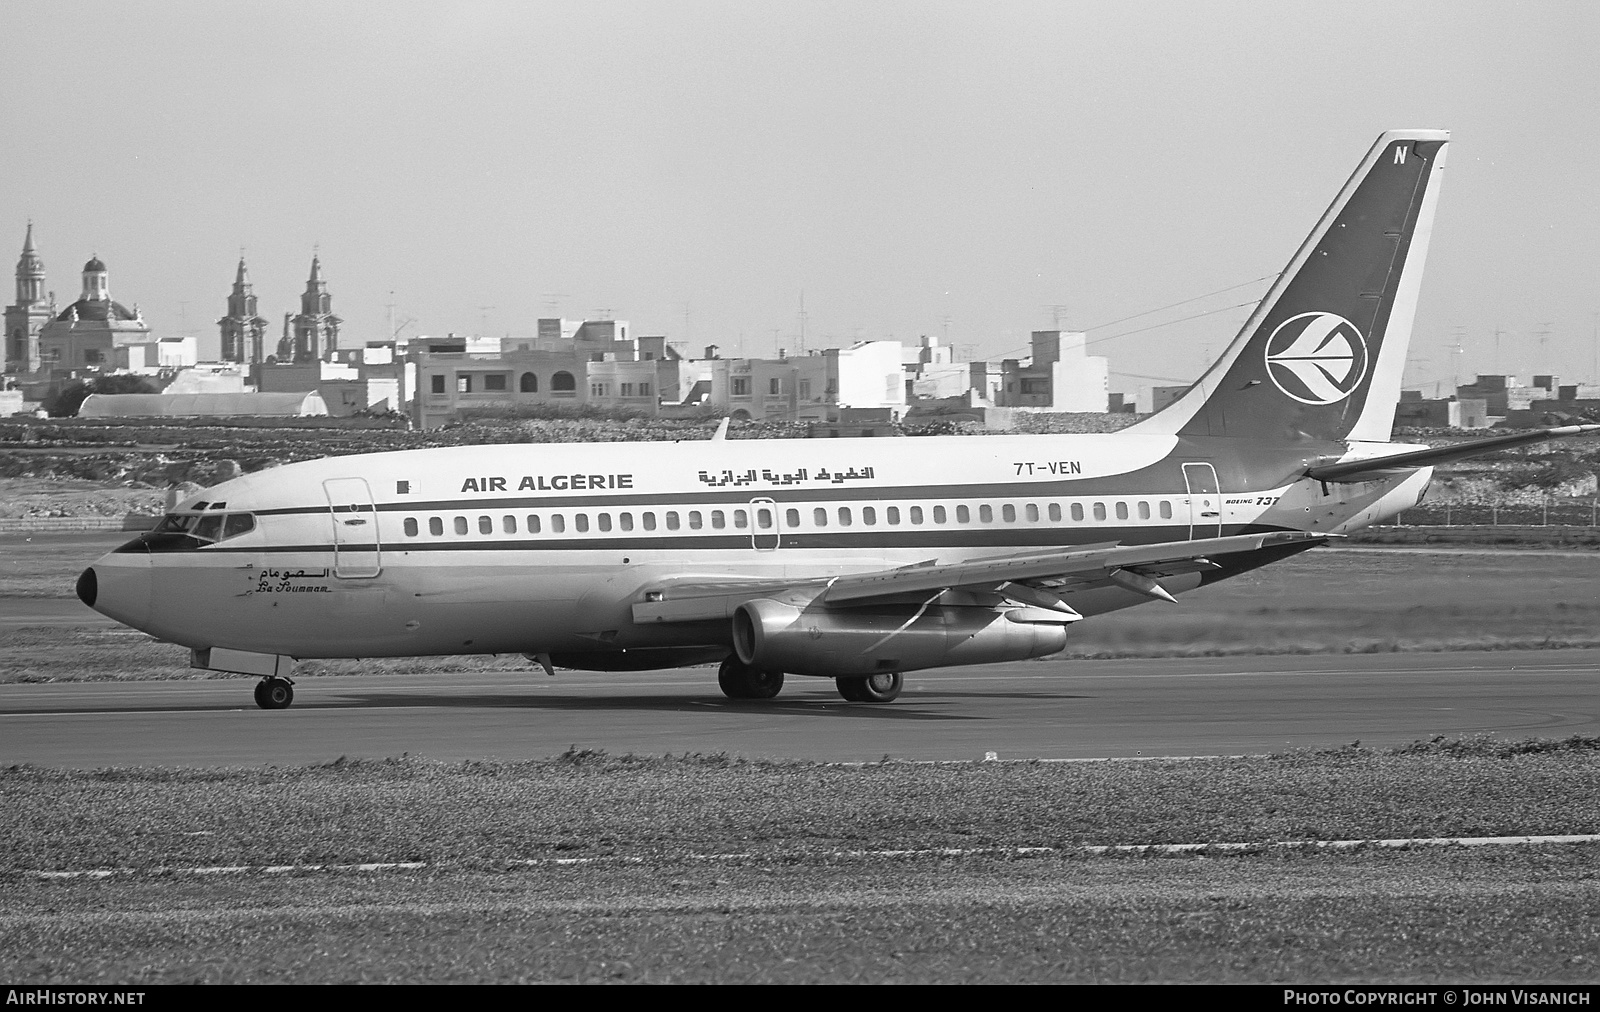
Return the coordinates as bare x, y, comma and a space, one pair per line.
356, 552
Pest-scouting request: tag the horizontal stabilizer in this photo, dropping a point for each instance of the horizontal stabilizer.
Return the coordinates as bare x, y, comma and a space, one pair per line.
1371, 468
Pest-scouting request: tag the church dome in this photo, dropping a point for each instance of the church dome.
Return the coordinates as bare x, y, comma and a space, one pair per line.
94, 264
98, 310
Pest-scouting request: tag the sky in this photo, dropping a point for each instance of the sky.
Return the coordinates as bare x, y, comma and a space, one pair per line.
971, 171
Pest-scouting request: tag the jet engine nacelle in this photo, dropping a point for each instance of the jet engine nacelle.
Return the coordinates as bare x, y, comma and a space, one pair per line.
840, 642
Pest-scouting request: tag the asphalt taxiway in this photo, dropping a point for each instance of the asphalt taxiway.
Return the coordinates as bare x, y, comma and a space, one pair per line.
1057, 709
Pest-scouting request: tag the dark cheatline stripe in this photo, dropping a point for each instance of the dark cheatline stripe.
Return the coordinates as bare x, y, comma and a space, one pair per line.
1110, 486
1020, 540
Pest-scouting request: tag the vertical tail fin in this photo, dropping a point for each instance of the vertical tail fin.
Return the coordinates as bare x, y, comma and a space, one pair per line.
1322, 354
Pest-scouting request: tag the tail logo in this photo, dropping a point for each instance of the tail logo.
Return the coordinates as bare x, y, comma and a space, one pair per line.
1317, 358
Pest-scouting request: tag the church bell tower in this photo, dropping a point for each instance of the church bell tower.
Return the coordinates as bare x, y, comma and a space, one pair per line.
316, 329
244, 330
31, 311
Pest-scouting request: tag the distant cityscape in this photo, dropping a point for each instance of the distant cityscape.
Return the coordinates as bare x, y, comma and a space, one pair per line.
603, 364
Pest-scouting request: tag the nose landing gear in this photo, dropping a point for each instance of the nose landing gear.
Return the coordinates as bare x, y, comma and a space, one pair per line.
273, 693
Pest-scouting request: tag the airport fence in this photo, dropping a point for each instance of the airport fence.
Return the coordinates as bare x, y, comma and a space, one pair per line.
1552, 512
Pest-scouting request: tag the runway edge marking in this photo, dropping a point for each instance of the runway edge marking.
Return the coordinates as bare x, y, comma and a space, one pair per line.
787, 856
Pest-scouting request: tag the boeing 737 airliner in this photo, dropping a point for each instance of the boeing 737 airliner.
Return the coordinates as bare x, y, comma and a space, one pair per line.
856, 560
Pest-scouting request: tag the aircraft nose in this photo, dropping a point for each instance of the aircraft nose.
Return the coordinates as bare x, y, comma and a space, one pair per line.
88, 586
119, 586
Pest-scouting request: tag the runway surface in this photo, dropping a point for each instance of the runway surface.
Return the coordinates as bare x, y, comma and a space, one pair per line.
1041, 709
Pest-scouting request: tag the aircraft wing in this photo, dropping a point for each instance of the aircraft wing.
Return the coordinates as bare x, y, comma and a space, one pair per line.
1077, 567
1382, 467
1033, 578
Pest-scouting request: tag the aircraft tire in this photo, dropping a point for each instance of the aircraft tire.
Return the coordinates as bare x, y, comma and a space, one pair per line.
746, 681
274, 694
883, 687
763, 684
730, 678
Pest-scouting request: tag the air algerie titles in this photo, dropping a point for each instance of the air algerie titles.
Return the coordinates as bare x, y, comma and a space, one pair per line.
550, 483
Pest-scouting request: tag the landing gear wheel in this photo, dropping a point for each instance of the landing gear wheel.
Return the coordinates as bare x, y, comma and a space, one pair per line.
879, 688
739, 680
274, 693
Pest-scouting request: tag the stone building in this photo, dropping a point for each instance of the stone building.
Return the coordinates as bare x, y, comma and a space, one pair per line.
315, 330
244, 330
86, 335
32, 310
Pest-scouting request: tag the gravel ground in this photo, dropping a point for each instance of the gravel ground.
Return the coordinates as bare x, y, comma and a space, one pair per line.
799, 907
1441, 916
484, 814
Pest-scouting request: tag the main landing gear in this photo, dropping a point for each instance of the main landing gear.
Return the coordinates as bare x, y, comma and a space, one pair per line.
274, 693
877, 688
746, 681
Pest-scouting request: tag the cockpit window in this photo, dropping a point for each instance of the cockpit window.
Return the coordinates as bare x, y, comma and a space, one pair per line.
210, 527
176, 523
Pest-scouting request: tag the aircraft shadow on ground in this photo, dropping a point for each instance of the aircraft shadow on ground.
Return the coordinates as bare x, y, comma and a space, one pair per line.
921, 706
899, 710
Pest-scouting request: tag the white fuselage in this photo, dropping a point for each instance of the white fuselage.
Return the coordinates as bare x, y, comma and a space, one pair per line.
546, 548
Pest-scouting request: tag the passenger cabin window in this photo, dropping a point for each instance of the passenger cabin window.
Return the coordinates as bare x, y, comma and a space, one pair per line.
649, 521
1008, 513
672, 520
1122, 511
580, 523
892, 514
1033, 513
719, 520
741, 519
844, 516
1144, 511
411, 527
1099, 511
604, 520
558, 523
625, 521
1055, 512
869, 516
436, 526
986, 514
485, 525
1077, 511
695, 520
461, 525
533, 524
792, 517
1166, 510
916, 514
508, 523
963, 515
938, 514
819, 516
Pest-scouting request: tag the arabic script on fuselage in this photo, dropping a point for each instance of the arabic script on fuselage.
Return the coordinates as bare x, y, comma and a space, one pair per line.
777, 478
